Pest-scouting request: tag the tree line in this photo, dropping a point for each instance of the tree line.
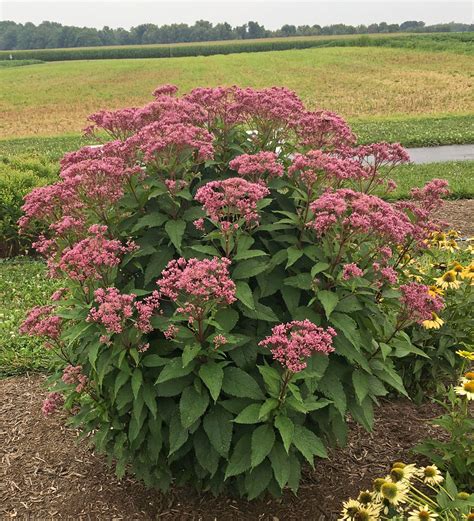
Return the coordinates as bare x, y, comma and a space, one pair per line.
51, 35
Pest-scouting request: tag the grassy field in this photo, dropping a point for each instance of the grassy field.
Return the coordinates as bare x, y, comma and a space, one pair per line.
364, 83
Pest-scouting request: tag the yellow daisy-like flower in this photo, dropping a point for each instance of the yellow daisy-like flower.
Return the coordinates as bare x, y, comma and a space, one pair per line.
457, 267
453, 234
402, 472
468, 272
465, 389
448, 280
469, 375
355, 511
394, 493
468, 355
434, 323
421, 514
469, 517
349, 509
434, 291
431, 475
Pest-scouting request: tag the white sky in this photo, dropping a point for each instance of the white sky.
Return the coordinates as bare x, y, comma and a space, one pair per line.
271, 13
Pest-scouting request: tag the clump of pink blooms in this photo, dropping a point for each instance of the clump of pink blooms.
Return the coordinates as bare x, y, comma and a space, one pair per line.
91, 257
363, 213
231, 200
41, 321
115, 308
324, 130
52, 403
219, 341
418, 304
197, 286
72, 375
292, 343
257, 167
349, 271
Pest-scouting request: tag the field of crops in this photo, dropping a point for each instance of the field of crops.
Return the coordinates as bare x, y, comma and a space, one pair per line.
359, 83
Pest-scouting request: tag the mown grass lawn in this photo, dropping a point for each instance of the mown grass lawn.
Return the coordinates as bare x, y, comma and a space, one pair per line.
358, 82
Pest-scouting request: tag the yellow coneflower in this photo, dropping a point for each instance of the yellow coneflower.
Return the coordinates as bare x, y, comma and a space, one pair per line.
402, 472
355, 511
457, 267
448, 280
431, 475
434, 291
366, 497
349, 509
468, 272
421, 514
434, 323
469, 375
469, 517
466, 388
453, 234
468, 355
394, 493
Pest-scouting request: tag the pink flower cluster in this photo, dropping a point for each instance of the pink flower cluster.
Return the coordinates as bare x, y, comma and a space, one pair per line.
257, 167
316, 165
232, 199
115, 308
52, 403
91, 257
197, 285
72, 375
361, 213
324, 130
293, 342
418, 304
41, 321
350, 271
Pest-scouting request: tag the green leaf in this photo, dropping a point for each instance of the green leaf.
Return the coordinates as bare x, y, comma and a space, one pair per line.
212, 375
348, 326
294, 253
208, 250
227, 318
174, 369
240, 459
177, 434
207, 457
308, 444
249, 415
258, 479
137, 381
271, 377
360, 381
249, 268
286, 429
302, 281
190, 352
151, 220
218, 426
318, 268
239, 383
291, 296
120, 381
331, 386
329, 301
192, 405
263, 439
157, 263
280, 464
267, 407
249, 254
244, 294
154, 361
175, 231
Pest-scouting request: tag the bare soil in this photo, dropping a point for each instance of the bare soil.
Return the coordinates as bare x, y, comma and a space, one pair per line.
460, 216
46, 473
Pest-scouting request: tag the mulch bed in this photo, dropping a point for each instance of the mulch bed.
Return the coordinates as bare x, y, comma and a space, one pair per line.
47, 474
459, 214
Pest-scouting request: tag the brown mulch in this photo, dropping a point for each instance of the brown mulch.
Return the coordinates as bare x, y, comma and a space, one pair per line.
46, 473
459, 214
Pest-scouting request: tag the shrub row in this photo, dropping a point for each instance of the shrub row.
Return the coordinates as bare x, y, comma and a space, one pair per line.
439, 42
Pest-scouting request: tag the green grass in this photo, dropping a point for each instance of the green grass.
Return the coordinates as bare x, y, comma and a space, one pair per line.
460, 175
5, 64
23, 284
360, 83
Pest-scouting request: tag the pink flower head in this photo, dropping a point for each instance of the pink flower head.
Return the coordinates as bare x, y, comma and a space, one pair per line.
293, 342
431, 195
89, 258
113, 309
169, 110
146, 308
170, 332
324, 130
350, 271
72, 375
197, 286
231, 199
362, 213
316, 165
389, 274
52, 403
219, 341
418, 304
257, 167
59, 294
41, 321
165, 90
118, 124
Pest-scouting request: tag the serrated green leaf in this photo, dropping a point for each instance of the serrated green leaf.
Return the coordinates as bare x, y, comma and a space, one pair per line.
240, 459
360, 381
263, 439
238, 383
286, 429
174, 369
150, 399
227, 318
249, 268
308, 444
280, 464
291, 296
175, 231
137, 381
190, 352
212, 375
294, 254
318, 268
244, 294
249, 254
192, 405
120, 381
267, 407
249, 415
178, 435
329, 300
218, 426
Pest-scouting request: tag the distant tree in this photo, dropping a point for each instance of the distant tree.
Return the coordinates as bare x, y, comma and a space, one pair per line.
410, 25
255, 30
288, 30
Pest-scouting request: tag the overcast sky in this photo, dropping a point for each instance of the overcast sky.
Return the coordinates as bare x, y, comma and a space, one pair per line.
272, 14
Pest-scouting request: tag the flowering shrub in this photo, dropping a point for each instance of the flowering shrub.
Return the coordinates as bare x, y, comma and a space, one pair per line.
411, 493
232, 292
